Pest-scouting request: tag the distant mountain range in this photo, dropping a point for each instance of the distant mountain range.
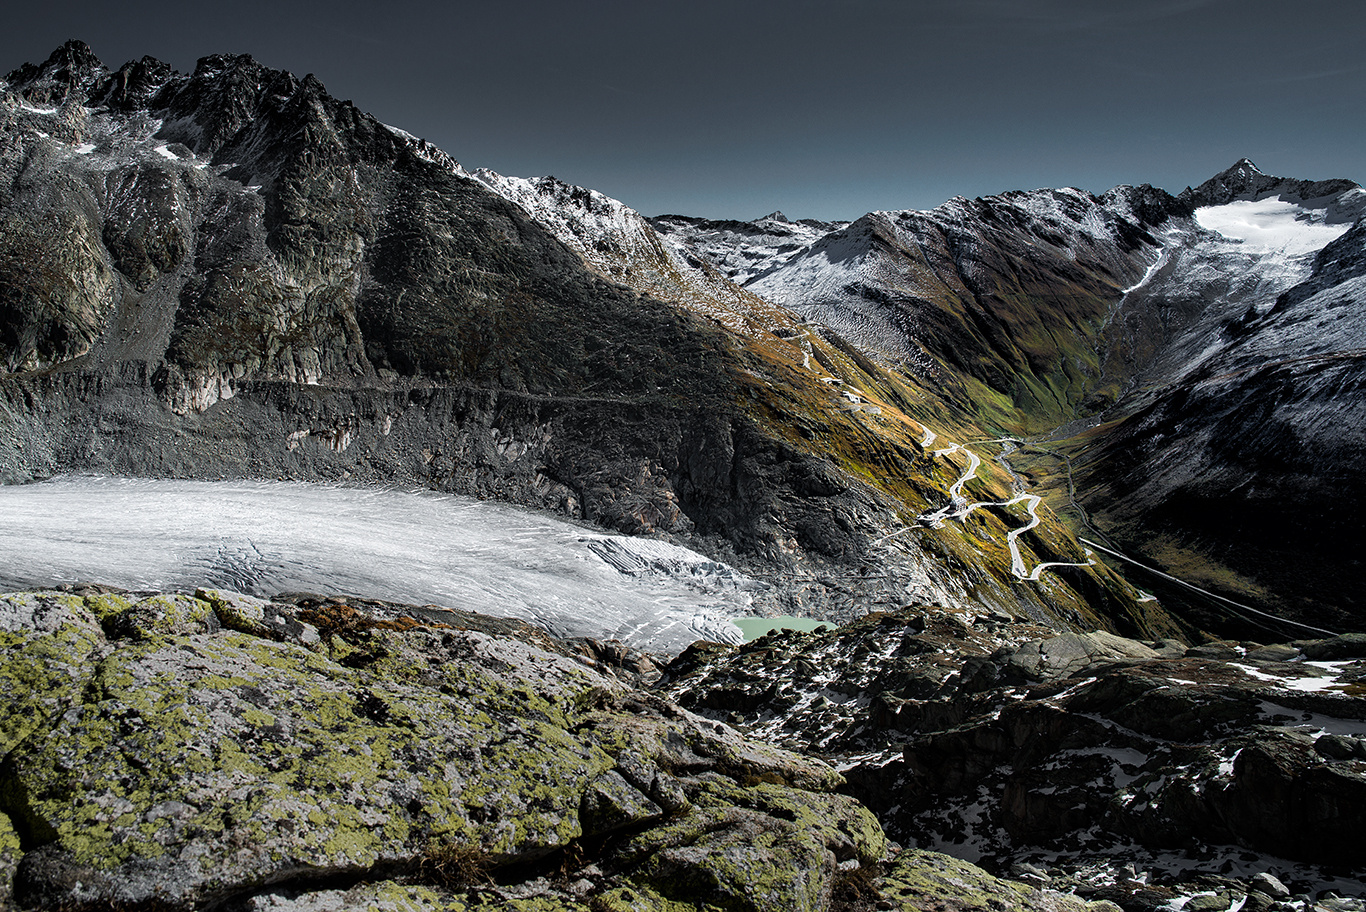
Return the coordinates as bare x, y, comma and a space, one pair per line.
1195, 358
231, 273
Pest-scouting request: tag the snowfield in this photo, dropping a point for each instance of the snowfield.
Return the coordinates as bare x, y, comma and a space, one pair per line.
264, 538
1272, 225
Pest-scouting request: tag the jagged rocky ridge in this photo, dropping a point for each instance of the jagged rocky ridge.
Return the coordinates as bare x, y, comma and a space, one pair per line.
742, 250
231, 273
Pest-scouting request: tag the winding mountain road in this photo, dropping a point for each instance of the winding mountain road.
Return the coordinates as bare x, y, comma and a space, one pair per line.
1239, 609
959, 508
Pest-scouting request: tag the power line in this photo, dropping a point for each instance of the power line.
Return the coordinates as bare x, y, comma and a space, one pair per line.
1204, 592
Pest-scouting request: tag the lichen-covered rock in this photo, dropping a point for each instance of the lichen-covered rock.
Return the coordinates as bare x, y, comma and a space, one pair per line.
163, 615
917, 880
9, 859
195, 766
1069, 653
654, 736
390, 896
736, 859
259, 617
760, 848
395, 896
611, 803
46, 643
162, 757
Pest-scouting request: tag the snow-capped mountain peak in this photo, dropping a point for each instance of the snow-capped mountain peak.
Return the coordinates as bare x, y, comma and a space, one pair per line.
1245, 181
70, 71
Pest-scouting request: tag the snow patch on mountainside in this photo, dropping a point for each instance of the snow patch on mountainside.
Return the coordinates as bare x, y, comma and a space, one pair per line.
1152, 270
1321, 318
106, 141
1271, 226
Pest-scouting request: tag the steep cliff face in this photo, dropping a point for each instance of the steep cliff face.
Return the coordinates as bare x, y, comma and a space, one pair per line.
233, 273
255, 234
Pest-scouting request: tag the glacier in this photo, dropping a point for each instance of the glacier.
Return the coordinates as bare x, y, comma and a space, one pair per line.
267, 537
1272, 225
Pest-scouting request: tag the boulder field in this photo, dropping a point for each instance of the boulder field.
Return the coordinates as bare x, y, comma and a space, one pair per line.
1147, 773
176, 751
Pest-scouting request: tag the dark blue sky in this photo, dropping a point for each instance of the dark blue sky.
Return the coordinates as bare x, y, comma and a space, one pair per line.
821, 109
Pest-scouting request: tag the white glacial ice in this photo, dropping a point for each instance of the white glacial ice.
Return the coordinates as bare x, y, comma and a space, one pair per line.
1271, 225
264, 538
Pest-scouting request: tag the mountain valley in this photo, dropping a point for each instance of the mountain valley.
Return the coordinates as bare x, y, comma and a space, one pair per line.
1074, 479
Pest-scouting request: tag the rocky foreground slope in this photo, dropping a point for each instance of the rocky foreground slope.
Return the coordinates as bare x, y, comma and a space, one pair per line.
1141, 772
174, 751
218, 751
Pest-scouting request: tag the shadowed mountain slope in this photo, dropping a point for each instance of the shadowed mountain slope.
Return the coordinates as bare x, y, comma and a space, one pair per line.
231, 273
